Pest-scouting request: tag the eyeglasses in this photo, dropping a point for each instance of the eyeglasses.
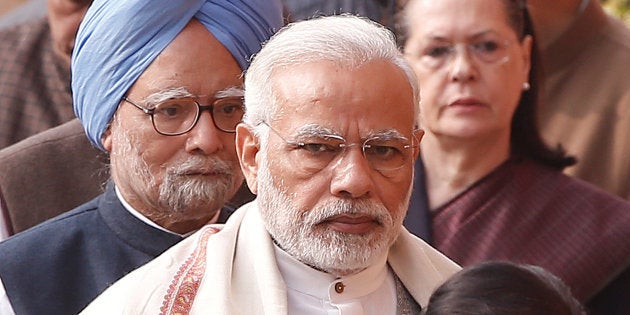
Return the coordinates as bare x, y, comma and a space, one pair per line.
384, 152
179, 116
489, 51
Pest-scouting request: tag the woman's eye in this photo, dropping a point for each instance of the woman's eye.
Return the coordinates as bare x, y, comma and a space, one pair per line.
486, 46
438, 51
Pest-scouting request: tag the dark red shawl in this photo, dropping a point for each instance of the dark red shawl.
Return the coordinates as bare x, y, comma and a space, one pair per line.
527, 213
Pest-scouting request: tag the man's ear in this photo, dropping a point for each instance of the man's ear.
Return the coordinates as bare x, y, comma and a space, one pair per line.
247, 148
417, 134
106, 139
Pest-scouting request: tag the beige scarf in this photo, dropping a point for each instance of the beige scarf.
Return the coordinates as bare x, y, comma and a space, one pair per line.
232, 270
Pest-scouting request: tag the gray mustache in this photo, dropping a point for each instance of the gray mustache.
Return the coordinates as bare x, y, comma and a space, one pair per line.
202, 165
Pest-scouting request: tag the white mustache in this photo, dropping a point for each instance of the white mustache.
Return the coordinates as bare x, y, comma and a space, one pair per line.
345, 207
202, 165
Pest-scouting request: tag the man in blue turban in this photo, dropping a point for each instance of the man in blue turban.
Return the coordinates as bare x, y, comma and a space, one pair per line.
159, 86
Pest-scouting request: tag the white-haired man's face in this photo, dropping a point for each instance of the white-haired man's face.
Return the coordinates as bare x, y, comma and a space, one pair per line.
180, 182
337, 210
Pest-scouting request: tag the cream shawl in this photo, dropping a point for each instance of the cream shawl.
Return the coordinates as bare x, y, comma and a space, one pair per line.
231, 269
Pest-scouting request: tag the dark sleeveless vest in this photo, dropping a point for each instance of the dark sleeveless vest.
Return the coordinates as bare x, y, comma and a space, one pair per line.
61, 265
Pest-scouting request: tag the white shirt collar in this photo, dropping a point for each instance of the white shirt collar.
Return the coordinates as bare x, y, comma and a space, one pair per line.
371, 291
141, 217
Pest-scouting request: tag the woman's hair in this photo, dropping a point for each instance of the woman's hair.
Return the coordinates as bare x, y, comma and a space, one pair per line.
494, 288
525, 137
345, 40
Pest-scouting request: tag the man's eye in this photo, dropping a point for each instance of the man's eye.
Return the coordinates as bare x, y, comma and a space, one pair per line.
170, 110
316, 148
230, 109
381, 151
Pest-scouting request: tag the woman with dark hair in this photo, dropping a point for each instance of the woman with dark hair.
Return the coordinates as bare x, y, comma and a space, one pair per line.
498, 288
486, 186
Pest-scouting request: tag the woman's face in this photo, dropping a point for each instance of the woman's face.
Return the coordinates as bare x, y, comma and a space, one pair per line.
470, 63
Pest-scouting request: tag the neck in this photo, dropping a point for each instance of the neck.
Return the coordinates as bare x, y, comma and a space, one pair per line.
453, 165
552, 18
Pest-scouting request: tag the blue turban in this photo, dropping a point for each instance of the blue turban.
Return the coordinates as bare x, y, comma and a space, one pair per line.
118, 40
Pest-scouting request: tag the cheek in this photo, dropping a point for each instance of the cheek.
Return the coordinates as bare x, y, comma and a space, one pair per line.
395, 192
430, 94
159, 152
506, 92
305, 191
431, 87
229, 144
155, 150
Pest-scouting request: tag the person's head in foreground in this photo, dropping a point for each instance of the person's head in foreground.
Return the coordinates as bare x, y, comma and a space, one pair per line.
497, 288
329, 141
165, 102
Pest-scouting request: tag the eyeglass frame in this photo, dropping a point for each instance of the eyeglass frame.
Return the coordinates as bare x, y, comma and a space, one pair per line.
343, 146
200, 109
470, 51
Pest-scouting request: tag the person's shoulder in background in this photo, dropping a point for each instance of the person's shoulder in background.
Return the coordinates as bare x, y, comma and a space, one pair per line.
49, 173
30, 9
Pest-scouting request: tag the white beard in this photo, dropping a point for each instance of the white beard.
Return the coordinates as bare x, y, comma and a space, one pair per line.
298, 233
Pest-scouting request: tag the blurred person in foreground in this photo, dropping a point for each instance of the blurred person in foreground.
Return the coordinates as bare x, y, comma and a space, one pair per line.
487, 187
503, 288
328, 144
158, 85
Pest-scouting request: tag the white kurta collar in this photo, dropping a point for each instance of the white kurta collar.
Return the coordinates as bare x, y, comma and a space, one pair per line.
371, 291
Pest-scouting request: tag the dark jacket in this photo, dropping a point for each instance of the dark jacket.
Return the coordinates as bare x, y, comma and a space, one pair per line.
61, 265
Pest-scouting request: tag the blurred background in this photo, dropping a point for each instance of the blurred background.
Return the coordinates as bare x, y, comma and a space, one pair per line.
620, 8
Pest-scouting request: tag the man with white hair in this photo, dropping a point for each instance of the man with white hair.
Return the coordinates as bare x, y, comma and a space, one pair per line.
158, 85
328, 144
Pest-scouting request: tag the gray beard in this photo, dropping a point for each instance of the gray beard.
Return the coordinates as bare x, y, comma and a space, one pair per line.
180, 192
179, 195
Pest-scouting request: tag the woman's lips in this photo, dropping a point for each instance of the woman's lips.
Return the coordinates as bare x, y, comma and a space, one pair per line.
466, 105
466, 102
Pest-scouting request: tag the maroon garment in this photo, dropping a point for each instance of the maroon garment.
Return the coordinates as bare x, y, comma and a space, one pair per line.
34, 82
527, 213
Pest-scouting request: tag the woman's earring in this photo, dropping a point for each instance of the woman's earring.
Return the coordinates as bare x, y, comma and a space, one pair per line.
526, 86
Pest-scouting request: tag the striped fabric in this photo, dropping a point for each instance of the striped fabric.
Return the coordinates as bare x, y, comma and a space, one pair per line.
34, 83
526, 213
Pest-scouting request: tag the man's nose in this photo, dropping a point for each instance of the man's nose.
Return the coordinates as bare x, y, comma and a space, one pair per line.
205, 136
352, 174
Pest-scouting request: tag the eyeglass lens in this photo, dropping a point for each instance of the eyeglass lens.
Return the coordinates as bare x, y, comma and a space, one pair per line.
316, 153
489, 51
178, 116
